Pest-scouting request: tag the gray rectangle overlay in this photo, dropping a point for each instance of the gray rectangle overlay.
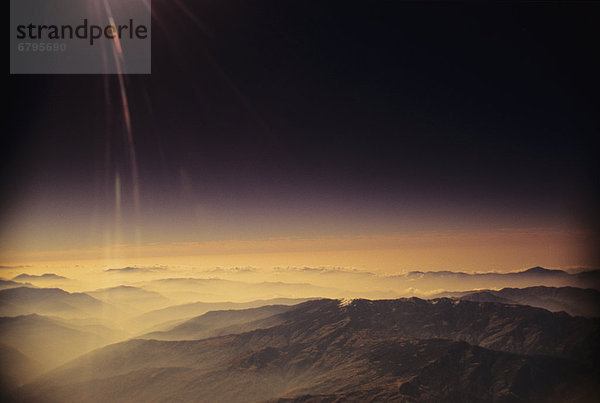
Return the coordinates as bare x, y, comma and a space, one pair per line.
80, 37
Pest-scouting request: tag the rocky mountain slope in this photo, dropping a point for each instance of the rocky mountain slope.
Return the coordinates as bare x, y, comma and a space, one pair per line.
330, 350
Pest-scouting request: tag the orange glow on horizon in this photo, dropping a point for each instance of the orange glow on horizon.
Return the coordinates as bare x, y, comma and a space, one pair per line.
503, 250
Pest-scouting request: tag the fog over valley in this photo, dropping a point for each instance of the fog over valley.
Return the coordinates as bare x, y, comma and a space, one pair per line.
51, 339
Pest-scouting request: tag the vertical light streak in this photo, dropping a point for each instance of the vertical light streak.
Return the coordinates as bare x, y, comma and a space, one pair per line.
117, 51
117, 229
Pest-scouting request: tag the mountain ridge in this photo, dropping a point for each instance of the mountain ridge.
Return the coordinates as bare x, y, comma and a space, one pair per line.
352, 347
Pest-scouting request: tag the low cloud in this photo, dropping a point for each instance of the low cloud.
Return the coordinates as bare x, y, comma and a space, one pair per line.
131, 269
233, 270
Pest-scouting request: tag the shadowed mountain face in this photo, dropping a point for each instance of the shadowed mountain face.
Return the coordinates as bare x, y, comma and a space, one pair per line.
406, 349
574, 301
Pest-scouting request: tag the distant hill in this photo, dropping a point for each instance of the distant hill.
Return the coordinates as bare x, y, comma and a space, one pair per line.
50, 301
184, 290
361, 350
188, 311
537, 270
15, 368
33, 277
575, 301
589, 279
125, 293
218, 323
535, 276
130, 298
4, 284
47, 341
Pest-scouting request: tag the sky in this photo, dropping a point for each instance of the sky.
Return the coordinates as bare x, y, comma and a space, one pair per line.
387, 136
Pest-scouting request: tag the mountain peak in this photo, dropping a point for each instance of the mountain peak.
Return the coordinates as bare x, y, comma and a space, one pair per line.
542, 270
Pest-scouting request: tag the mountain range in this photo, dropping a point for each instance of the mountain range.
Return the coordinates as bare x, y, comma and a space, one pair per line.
185, 290
535, 276
473, 344
51, 301
41, 277
163, 318
130, 299
574, 301
218, 323
4, 284
332, 350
